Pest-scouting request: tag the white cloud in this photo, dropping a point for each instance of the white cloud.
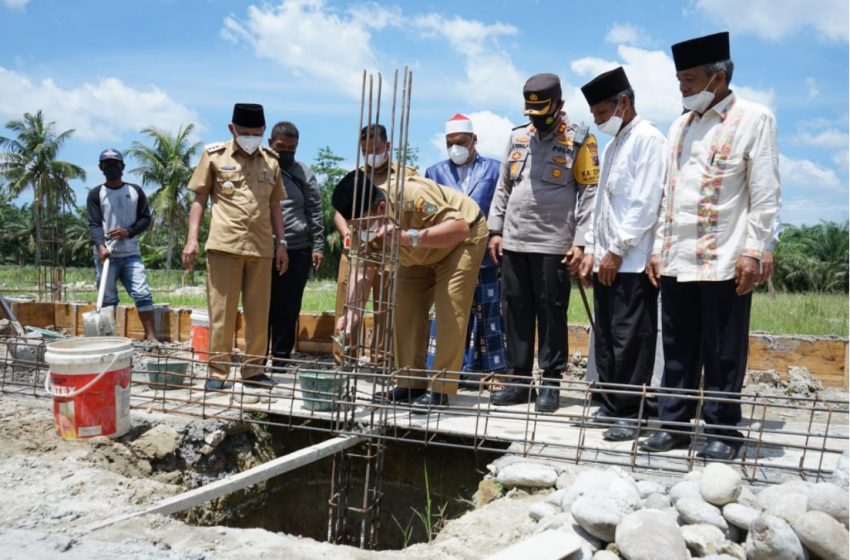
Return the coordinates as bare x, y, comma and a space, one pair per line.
627, 34
310, 39
17, 4
776, 19
491, 129
809, 211
491, 77
99, 111
805, 175
831, 138
765, 97
842, 160
812, 88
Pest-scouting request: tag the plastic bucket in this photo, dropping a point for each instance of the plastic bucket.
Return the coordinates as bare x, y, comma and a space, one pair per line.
167, 372
201, 334
321, 392
89, 380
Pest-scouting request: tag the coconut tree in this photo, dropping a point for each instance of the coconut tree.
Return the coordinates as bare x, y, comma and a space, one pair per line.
29, 162
166, 166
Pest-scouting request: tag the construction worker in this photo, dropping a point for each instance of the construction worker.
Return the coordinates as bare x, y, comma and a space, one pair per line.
442, 237
243, 180
540, 214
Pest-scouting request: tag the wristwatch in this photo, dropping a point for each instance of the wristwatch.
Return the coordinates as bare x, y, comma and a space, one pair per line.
413, 235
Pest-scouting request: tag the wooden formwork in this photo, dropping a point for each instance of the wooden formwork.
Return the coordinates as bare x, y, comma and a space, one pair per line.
826, 357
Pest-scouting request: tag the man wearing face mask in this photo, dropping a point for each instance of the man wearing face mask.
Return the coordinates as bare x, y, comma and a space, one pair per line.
304, 242
618, 246
375, 148
118, 214
716, 221
540, 214
476, 176
243, 180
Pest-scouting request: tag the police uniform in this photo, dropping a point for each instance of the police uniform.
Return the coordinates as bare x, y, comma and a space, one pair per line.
240, 246
543, 203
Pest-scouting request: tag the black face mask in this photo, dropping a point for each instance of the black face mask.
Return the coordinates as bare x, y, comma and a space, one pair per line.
112, 172
543, 123
286, 158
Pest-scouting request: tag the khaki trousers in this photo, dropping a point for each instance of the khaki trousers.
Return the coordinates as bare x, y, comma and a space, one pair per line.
379, 311
449, 285
228, 276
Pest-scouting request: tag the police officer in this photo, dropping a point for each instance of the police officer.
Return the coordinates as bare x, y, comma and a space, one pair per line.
243, 181
543, 203
442, 239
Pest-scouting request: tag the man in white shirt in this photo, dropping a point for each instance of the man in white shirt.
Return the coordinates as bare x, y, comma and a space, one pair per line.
716, 220
618, 246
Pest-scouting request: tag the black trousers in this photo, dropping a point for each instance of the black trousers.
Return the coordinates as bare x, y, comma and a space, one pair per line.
624, 338
704, 325
287, 292
535, 292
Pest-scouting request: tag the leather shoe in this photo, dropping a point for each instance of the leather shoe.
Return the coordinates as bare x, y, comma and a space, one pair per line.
548, 397
216, 385
428, 401
716, 449
622, 430
469, 381
398, 395
512, 395
664, 441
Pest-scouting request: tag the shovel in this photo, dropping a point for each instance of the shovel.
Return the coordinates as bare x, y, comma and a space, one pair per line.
19, 330
100, 322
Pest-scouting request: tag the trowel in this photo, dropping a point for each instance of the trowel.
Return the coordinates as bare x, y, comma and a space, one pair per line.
100, 322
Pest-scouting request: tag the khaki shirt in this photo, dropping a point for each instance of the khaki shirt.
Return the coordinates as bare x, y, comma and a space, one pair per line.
382, 179
241, 187
426, 204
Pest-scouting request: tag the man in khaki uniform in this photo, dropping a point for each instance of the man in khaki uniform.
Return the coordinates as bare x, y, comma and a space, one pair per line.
243, 181
375, 147
442, 238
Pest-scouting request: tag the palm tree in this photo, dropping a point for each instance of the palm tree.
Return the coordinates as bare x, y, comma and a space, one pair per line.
167, 166
29, 162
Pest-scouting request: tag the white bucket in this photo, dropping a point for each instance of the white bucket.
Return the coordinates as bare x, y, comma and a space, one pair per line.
89, 380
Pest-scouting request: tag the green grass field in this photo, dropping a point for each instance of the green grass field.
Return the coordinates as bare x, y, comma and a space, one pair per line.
811, 314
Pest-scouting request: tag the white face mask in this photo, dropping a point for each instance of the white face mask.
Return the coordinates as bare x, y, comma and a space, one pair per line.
612, 125
699, 102
249, 143
458, 154
376, 160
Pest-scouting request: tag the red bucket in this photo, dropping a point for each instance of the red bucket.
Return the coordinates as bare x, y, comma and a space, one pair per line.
89, 380
201, 334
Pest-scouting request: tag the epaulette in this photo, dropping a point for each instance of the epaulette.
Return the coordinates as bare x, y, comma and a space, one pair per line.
217, 146
269, 151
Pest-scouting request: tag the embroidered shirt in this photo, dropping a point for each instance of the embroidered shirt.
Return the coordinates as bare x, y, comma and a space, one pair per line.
722, 190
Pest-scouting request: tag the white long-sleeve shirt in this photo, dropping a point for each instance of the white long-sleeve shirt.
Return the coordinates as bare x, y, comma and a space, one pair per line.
722, 190
626, 206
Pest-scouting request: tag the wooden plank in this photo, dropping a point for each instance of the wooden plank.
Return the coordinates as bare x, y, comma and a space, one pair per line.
548, 545
245, 479
63, 317
824, 357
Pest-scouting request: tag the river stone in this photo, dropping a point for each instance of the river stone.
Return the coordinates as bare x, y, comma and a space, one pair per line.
685, 489
648, 487
542, 509
788, 506
721, 557
733, 550
771, 538
739, 515
558, 521
599, 511
527, 475
720, 484
693, 475
646, 535
703, 539
841, 474
695, 510
829, 498
565, 479
614, 480
823, 535
555, 498
157, 443
604, 555
768, 495
746, 498
657, 501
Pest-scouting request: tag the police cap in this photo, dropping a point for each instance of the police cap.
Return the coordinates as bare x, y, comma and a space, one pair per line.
605, 86
249, 115
701, 51
541, 91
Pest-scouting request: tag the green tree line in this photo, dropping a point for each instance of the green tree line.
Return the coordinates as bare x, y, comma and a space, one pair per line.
808, 258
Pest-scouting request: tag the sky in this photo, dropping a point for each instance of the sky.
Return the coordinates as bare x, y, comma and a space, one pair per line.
109, 69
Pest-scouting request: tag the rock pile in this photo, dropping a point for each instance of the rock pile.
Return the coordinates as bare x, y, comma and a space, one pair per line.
710, 513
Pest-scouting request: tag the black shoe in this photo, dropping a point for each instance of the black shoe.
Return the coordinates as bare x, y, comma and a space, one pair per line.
216, 385
512, 395
716, 449
601, 418
261, 382
548, 396
398, 395
664, 441
428, 401
470, 381
622, 430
